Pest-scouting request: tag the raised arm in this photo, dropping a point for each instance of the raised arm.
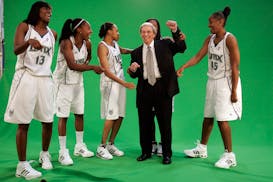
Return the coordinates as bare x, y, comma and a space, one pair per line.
195, 59
233, 48
102, 54
179, 44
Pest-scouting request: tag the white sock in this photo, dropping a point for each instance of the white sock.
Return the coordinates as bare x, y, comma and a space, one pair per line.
79, 137
62, 142
22, 162
45, 152
203, 146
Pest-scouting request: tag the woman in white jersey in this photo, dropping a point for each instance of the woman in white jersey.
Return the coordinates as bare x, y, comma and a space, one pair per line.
31, 93
74, 55
112, 86
223, 95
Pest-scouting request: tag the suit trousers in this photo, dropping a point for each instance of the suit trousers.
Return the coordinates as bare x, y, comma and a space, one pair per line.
155, 97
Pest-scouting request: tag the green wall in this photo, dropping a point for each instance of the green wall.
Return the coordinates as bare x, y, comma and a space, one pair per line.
250, 21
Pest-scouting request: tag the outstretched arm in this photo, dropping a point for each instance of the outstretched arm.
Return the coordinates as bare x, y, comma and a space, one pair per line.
125, 50
67, 50
195, 59
96, 69
102, 54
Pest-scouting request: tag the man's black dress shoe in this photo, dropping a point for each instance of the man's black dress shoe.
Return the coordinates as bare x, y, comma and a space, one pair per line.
167, 160
143, 157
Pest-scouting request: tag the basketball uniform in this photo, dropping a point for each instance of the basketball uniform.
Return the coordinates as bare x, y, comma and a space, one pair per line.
113, 95
32, 89
69, 94
218, 89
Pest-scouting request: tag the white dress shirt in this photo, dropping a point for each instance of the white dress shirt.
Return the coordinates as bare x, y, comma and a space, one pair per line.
156, 69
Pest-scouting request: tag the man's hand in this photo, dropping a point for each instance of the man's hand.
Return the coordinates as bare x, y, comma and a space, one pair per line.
172, 25
134, 66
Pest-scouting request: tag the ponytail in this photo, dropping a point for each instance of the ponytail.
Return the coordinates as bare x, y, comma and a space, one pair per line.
69, 28
222, 14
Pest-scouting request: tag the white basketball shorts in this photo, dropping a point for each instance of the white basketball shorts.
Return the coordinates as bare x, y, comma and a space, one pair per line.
31, 97
113, 100
218, 104
69, 98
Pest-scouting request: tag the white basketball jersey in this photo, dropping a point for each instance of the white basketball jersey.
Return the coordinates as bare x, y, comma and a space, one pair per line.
37, 62
62, 73
114, 61
218, 59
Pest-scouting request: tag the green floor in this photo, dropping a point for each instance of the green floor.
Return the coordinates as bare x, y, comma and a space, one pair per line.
250, 21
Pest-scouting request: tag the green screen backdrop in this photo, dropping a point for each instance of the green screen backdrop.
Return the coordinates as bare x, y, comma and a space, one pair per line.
250, 21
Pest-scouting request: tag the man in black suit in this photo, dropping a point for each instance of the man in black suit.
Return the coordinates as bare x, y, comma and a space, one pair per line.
152, 63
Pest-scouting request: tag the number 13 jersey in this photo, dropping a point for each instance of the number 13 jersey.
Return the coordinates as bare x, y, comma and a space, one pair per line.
37, 62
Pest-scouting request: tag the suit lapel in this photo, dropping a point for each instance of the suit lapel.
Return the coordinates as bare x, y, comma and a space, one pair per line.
157, 54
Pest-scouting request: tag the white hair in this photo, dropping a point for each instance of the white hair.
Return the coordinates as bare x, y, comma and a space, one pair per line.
148, 24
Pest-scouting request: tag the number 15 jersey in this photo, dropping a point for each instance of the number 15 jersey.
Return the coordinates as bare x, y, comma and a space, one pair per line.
218, 59
37, 62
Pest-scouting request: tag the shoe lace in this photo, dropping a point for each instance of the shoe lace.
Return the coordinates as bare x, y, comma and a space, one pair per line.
225, 158
103, 151
197, 142
83, 149
27, 169
65, 155
46, 157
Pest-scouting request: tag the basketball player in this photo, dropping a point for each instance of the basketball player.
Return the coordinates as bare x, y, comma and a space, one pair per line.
73, 58
112, 86
31, 93
223, 96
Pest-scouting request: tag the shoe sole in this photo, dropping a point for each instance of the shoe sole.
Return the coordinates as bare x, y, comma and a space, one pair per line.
99, 156
117, 155
195, 155
232, 165
64, 164
40, 161
27, 178
86, 156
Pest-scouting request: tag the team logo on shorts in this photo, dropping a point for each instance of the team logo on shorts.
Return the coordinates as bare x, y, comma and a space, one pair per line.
11, 111
110, 112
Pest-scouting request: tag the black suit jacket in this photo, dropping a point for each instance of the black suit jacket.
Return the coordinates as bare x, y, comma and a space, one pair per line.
165, 49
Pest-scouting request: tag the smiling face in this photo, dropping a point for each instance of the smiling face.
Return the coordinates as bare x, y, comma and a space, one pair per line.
147, 34
114, 32
215, 24
45, 14
85, 30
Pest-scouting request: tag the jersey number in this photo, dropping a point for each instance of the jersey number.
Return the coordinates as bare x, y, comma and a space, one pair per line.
40, 60
214, 65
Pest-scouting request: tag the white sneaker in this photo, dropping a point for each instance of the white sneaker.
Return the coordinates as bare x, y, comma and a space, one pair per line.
64, 157
25, 170
199, 151
103, 153
159, 150
154, 147
226, 161
114, 150
81, 149
45, 160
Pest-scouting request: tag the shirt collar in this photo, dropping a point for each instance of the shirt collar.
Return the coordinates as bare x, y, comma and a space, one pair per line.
151, 45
